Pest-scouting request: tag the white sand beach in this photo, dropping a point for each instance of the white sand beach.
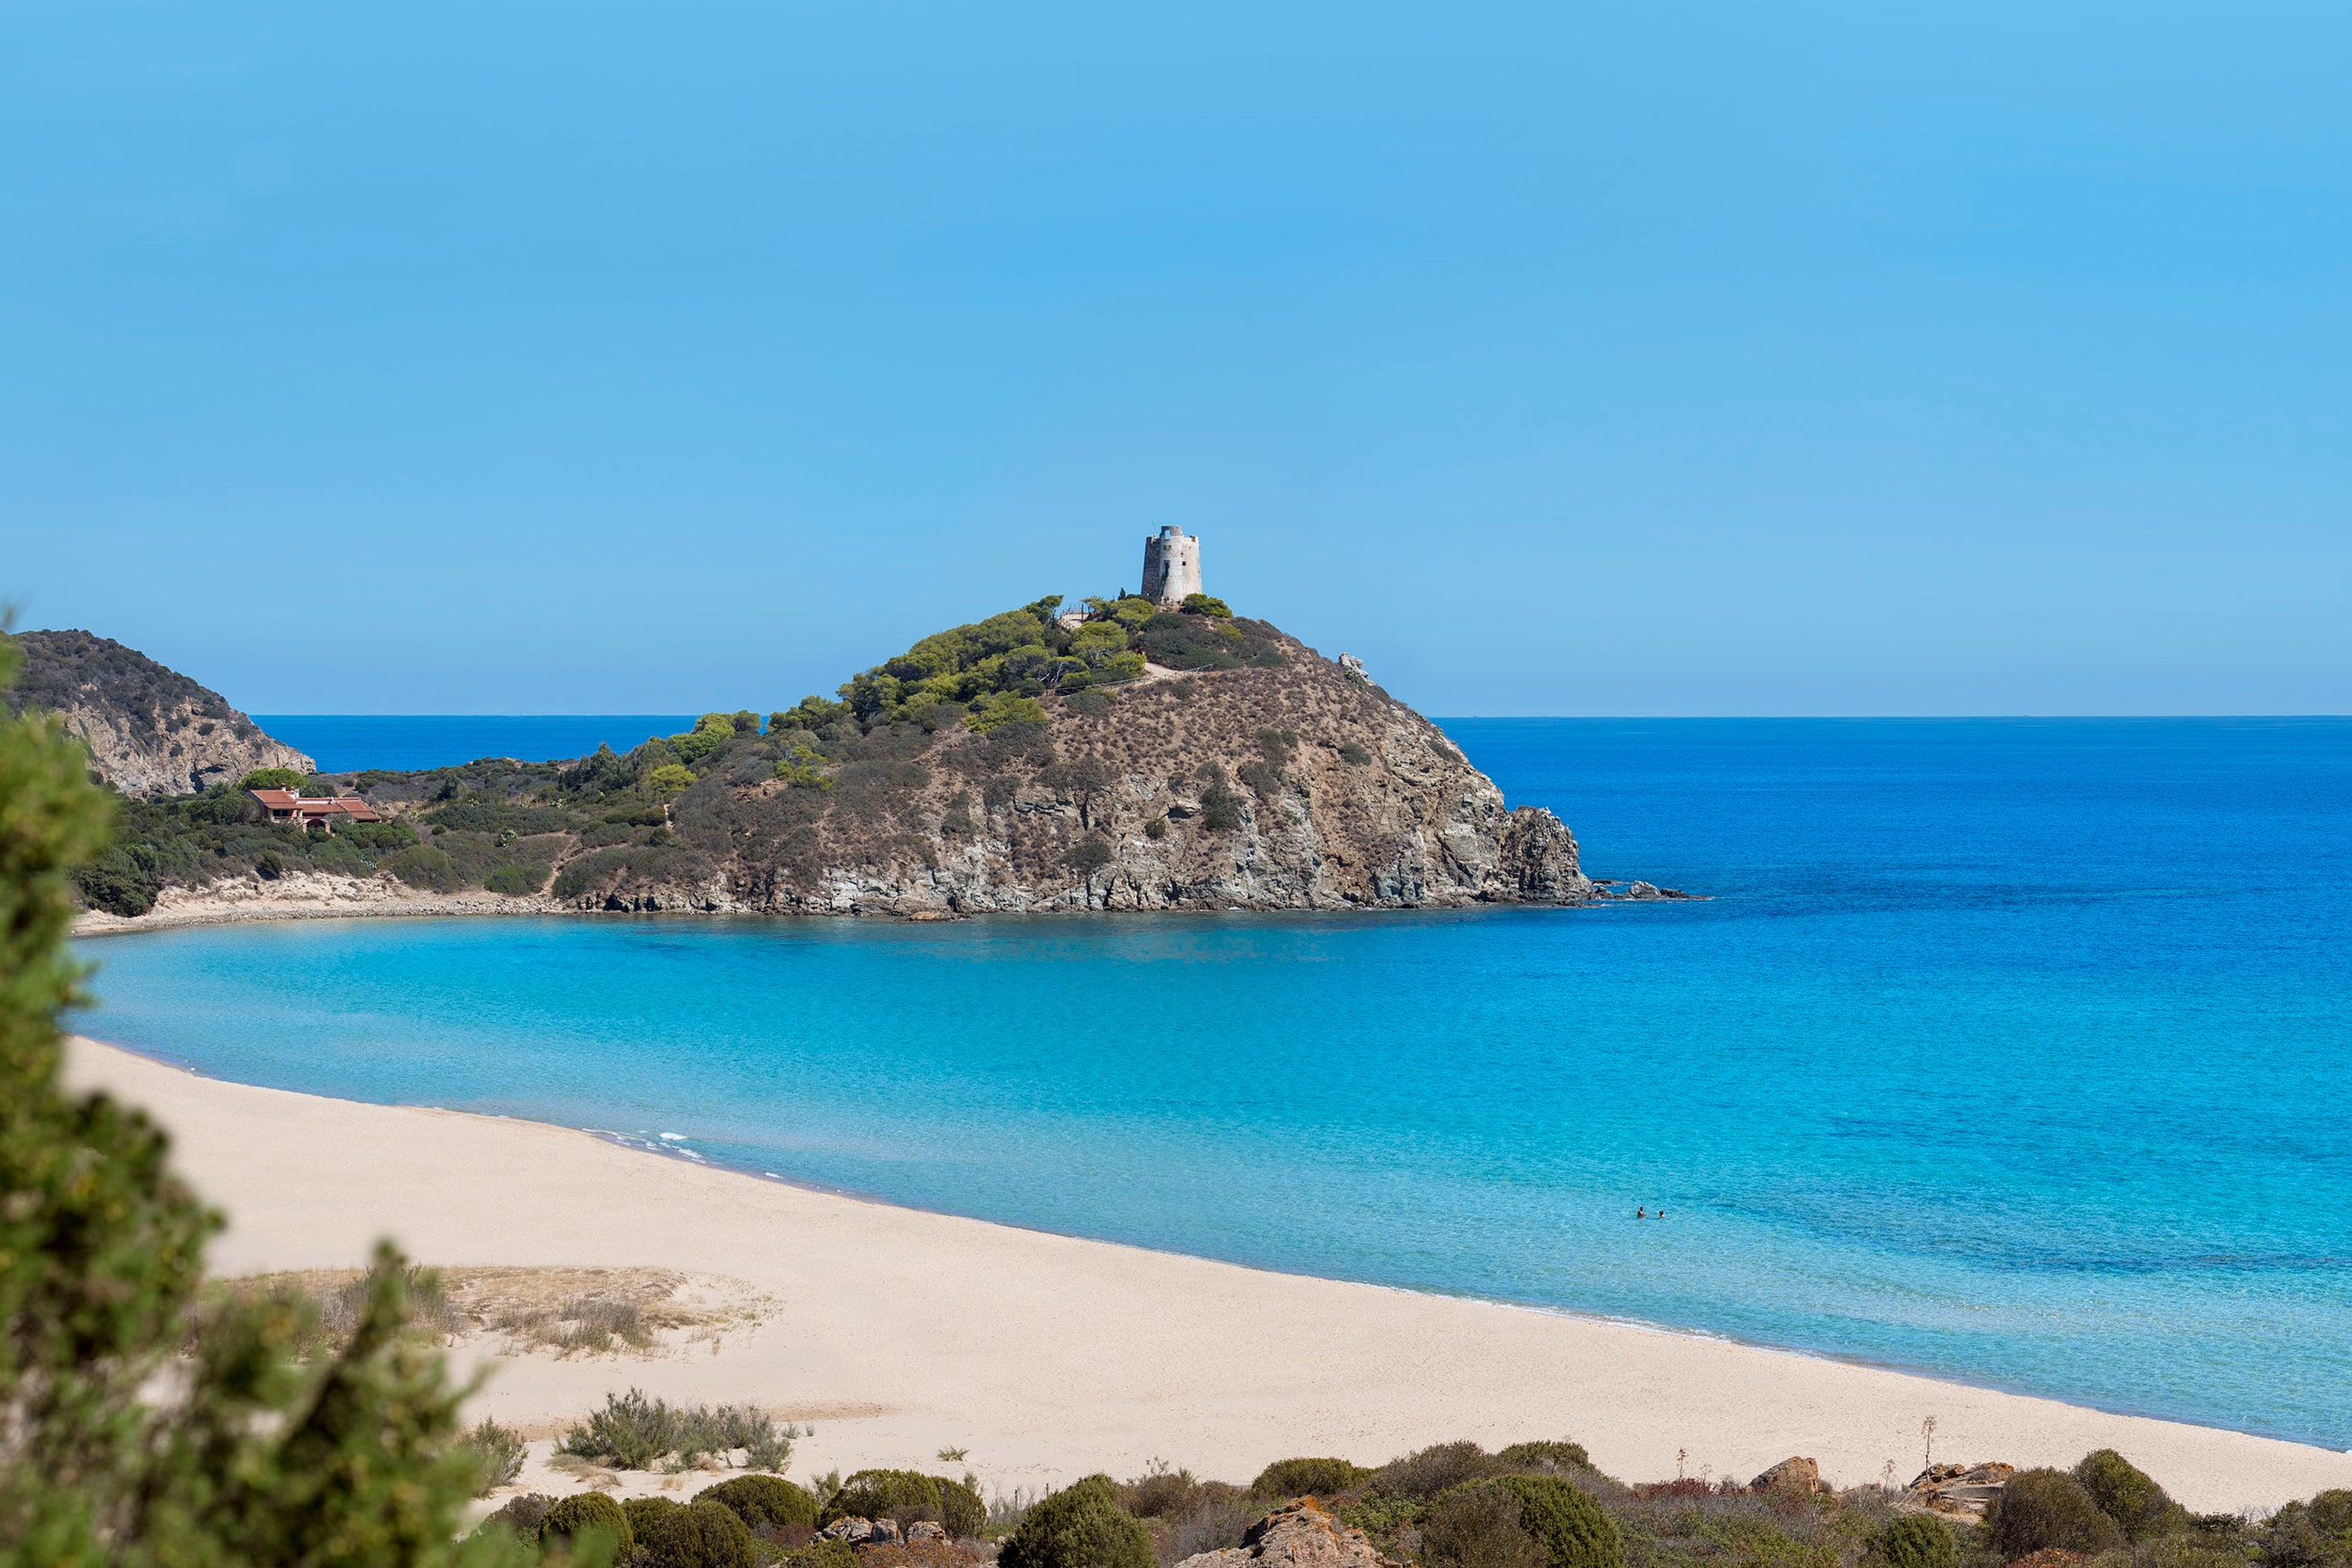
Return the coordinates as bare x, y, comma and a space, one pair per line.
900, 1332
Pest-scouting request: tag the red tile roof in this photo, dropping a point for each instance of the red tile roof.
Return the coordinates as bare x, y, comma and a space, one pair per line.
350, 806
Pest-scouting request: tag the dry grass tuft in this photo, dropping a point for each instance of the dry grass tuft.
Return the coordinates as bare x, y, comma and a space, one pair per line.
566, 1312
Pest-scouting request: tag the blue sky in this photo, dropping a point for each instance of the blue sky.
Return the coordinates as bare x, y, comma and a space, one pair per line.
1683, 358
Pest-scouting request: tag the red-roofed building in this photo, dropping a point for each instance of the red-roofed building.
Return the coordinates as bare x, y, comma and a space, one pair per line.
322, 810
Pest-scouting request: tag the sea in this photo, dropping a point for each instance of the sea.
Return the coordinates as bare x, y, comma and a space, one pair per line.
2017, 1052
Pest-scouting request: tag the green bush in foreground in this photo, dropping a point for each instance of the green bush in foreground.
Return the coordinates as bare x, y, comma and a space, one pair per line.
903, 1495
1564, 1519
2128, 1495
1081, 1526
1478, 1527
2042, 1507
1916, 1541
246, 1454
1308, 1478
703, 1533
765, 1501
1545, 1455
961, 1512
583, 1515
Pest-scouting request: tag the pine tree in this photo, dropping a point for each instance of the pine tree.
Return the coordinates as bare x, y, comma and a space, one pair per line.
136, 1430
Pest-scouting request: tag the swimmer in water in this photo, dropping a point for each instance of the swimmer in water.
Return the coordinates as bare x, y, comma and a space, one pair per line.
1643, 1212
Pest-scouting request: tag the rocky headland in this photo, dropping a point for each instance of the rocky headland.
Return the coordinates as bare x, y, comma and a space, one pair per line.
1125, 758
150, 731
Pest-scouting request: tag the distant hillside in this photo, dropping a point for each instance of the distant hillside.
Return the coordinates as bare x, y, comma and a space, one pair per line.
150, 730
1130, 758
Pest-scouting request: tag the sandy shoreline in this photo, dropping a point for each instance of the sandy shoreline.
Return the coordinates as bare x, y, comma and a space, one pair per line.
900, 1333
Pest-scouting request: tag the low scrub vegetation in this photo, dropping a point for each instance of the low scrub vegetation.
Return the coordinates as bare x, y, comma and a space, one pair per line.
632, 1432
1537, 1504
734, 796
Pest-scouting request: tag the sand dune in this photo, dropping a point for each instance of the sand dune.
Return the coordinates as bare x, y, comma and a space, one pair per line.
900, 1333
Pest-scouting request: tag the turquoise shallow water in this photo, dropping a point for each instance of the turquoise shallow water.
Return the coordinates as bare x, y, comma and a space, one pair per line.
2015, 1052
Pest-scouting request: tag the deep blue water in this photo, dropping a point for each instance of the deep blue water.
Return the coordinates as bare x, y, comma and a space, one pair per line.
344, 743
2014, 1051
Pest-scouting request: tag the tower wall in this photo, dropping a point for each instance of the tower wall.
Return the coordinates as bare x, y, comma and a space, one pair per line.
1171, 567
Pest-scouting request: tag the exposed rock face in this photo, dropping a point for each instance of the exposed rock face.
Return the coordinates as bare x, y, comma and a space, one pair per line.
1291, 787
1957, 1491
1799, 1476
1299, 1535
150, 730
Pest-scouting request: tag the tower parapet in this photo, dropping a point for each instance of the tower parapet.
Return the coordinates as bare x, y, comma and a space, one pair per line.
1171, 567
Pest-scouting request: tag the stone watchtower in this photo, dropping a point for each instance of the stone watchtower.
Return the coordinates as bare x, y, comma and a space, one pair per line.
1171, 566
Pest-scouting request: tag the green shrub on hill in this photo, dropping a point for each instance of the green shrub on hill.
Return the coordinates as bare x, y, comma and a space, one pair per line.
1081, 1526
1915, 1540
1206, 604
1564, 1518
1545, 1456
585, 1514
963, 1512
1130, 609
2044, 1508
427, 867
516, 880
1308, 1478
1478, 1527
903, 1495
670, 778
1437, 1468
1002, 708
710, 732
271, 778
2128, 1495
641, 1511
698, 1534
765, 1501
907, 1496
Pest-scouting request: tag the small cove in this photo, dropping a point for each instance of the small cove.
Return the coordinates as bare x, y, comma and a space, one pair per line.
2011, 1052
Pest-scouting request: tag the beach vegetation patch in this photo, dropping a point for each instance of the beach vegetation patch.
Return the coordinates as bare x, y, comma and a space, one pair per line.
1546, 1456
584, 1517
1188, 1516
1477, 1526
2128, 1495
1309, 1478
1571, 1526
1081, 1526
765, 1501
1439, 1467
700, 1533
2046, 1508
909, 1496
518, 1517
498, 1451
1916, 1541
632, 1432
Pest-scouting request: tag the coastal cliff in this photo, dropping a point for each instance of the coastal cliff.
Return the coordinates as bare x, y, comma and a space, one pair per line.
1125, 757
150, 730
1291, 787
